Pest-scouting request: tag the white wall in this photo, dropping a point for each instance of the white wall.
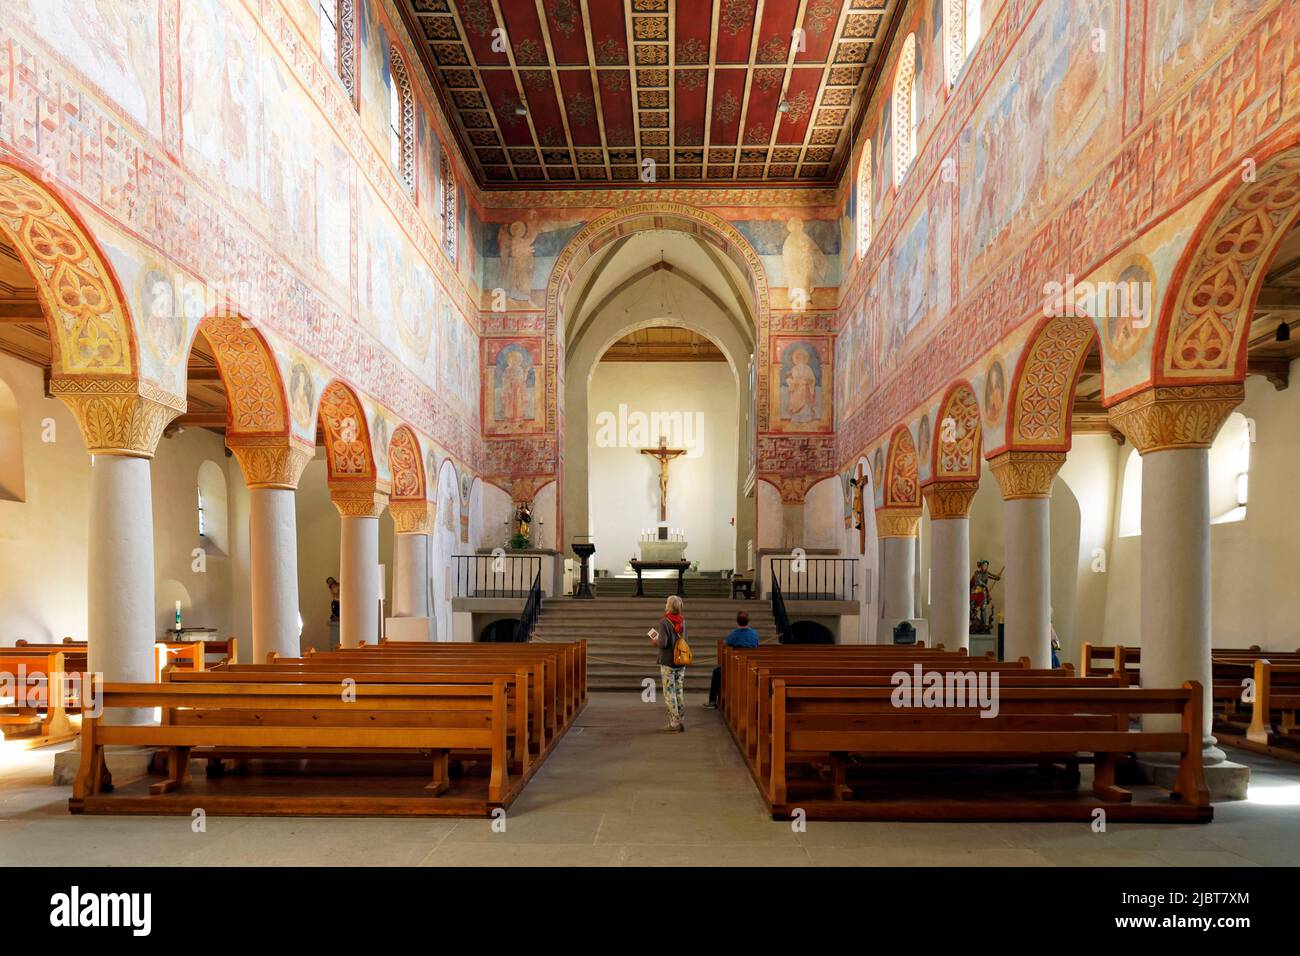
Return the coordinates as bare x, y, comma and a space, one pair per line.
43, 540
624, 484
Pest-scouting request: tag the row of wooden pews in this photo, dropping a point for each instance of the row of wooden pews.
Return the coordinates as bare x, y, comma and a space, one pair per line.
1255, 692
35, 715
915, 733
392, 728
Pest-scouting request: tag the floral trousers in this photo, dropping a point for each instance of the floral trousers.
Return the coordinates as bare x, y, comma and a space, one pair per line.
674, 692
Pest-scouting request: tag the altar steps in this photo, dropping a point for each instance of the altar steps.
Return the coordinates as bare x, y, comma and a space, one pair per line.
620, 656
701, 586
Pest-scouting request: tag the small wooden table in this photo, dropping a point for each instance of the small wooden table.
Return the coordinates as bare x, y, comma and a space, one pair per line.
678, 566
743, 586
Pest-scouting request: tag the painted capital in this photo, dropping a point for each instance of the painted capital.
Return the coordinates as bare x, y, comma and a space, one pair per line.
949, 499
1176, 416
363, 502
898, 522
412, 517
1026, 474
118, 416
269, 462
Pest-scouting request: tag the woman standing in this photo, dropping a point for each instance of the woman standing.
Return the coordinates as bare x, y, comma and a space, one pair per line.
665, 635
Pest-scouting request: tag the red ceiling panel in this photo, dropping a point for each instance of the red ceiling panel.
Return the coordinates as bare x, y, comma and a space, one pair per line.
735, 30
801, 95
653, 78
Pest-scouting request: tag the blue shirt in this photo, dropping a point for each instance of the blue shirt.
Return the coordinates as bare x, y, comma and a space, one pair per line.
742, 637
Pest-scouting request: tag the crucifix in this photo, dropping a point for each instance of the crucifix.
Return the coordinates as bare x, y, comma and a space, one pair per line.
665, 455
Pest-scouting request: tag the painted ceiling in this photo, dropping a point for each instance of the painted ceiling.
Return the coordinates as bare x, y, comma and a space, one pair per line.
583, 92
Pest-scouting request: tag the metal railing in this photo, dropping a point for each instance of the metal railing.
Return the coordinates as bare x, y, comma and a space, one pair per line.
496, 575
816, 579
532, 610
784, 634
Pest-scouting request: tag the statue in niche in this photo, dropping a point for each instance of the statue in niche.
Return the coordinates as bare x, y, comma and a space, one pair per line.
522, 537
981, 598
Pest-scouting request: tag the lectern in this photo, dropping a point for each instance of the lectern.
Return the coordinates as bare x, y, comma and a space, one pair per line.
584, 550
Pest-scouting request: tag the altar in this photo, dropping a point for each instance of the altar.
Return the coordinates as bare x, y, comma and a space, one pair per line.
669, 547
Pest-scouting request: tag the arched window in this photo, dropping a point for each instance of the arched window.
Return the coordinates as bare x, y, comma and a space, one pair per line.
1230, 470
212, 508
864, 201
1130, 502
447, 208
12, 481
961, 31
401, 120
338, 40
905, 110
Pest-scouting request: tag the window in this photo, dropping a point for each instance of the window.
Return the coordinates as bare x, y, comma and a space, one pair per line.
338, 40
401, 120
1230, 470
906, 110
212, 509
199, 491
1130, 503
447, 209
12, 481
961, 31
864, 201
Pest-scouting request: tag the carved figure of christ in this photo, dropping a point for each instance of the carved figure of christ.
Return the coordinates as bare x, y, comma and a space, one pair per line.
664, 454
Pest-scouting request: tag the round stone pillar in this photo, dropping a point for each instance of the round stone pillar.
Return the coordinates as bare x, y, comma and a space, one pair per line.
897, 528
271, 471
1172, 428
1025, 478
121, 432
949, 505
413, 522
359, 564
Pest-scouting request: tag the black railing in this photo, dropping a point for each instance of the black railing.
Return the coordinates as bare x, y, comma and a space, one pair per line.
782, 620
816, 579
532, 609
495, 575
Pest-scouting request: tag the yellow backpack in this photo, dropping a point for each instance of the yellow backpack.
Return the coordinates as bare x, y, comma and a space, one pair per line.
682, 654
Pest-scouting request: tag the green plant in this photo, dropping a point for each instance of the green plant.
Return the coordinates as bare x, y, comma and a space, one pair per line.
519, 541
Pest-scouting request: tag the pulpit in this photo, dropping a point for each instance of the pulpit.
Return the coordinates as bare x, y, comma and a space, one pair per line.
584, 550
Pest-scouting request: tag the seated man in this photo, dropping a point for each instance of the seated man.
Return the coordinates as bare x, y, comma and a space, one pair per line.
742, 636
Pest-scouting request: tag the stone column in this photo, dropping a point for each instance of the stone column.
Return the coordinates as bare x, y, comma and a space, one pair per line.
1172, 429
949, 504
359, 563
271, 471
897, 529
1025, 478
413, 522
122, 432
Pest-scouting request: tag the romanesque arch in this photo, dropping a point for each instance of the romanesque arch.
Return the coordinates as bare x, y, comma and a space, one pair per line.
1202, 332
406, 463
901, 486
1041, 396
256, 401
349, 455
955, 450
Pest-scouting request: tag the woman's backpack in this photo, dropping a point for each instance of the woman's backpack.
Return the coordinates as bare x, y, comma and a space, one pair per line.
682, 654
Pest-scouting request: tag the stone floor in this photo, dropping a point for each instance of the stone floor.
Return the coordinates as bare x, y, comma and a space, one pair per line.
617, 793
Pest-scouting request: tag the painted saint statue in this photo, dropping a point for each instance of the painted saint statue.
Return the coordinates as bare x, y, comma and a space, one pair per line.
981, 598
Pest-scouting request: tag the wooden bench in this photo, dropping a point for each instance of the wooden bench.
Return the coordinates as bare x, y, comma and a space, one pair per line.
41, 687
273, 718
1277, 689
198, 654
1033, 725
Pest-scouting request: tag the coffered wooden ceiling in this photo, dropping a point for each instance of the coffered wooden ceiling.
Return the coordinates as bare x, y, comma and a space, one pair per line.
582, 92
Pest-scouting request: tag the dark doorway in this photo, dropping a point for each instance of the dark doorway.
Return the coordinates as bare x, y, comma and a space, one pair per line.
810, 632
499, 632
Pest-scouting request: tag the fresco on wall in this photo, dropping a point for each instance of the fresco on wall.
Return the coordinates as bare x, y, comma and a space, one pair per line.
1052, 111
113, 43
1129, 316
795, 249
515, 272
333, 212
802, 383
459, 364
1182, 35
302, 396
513, 385
995, 394
372, 72
220, 102
802, 259
917, 276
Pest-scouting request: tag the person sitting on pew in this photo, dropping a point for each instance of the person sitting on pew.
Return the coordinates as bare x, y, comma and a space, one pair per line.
742, 636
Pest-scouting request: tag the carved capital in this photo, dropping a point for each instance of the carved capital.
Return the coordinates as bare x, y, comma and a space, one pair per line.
358, 502
412, 517
269, 462
949, 499
118, 416
898, 522
1176, 416
1026, 474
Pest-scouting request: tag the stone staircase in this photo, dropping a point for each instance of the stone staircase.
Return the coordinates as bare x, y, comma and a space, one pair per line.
697, 586
620, 656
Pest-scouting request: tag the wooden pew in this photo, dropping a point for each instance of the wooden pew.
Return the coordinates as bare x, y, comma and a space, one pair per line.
225, 651
1272, 728
37, 712
302, 717
526, 721
1033, 724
